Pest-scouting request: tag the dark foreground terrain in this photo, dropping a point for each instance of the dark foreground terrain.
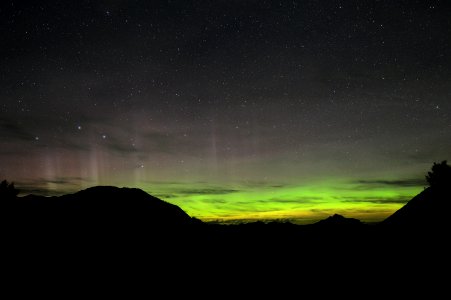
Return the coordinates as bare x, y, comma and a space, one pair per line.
130, 220
109, 233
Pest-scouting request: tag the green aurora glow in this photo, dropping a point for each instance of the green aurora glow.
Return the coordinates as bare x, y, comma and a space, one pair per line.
232, 110
369, 201
299, 204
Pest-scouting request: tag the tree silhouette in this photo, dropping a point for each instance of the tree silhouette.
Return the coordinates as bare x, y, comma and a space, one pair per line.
440, 176
7, 190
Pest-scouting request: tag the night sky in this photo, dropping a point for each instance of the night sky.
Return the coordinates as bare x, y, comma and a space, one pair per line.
233, 110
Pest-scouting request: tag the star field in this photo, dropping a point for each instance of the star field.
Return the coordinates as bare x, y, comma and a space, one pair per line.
229, 109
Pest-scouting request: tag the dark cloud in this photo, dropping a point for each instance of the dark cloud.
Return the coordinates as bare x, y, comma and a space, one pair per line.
265, 94
412, 182
57, 180
37, 133
12, 131
34, 190
66, 180
221, 202
277, 186
206, 191
298, 199
244, 206
395, 200
322, 210
263, 184
157, 183
40, 186
163, 196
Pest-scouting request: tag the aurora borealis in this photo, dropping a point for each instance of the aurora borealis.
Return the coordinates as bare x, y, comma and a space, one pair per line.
233, 110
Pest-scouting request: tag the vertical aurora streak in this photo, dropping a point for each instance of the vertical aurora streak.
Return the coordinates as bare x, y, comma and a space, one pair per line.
232, 110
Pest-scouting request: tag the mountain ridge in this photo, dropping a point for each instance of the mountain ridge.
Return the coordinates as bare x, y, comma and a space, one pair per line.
430, 208
101, 204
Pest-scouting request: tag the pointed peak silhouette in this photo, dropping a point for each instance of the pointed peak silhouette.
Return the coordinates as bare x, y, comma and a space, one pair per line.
338, 220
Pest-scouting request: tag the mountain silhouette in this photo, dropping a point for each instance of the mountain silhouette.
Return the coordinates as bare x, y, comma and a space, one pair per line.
105, 207
111, 210
430, 208
338, 220
116, 227
113, 228
428, 212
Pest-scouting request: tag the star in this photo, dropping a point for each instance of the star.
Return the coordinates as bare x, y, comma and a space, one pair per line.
317, 97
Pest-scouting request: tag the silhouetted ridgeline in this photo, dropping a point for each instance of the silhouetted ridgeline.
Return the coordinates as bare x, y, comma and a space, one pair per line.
104, 215
107, 208
430, 209
123, 212
122, 228
112, 211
